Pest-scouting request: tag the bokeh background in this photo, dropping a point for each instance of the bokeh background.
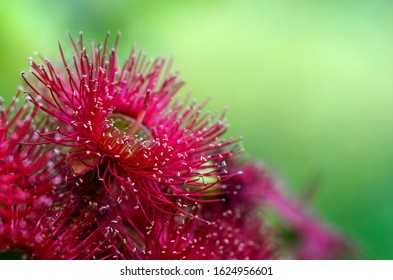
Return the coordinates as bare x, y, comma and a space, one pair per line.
308, 84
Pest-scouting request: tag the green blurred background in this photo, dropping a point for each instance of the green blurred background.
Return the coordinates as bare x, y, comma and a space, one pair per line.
308, 84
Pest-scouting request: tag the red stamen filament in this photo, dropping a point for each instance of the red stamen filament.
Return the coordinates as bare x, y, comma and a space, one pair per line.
141, 115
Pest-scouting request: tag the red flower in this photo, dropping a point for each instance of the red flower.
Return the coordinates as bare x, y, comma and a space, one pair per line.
121, 129
126, 124
53, 228
27, 169
227, 236
38, 219
303, 235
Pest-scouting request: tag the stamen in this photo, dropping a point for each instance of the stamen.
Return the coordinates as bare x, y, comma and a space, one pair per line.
141, 115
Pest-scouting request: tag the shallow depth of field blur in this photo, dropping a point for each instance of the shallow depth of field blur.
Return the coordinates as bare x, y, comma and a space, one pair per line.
308, 84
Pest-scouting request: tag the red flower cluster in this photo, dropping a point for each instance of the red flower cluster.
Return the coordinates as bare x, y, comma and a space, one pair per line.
107, 162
